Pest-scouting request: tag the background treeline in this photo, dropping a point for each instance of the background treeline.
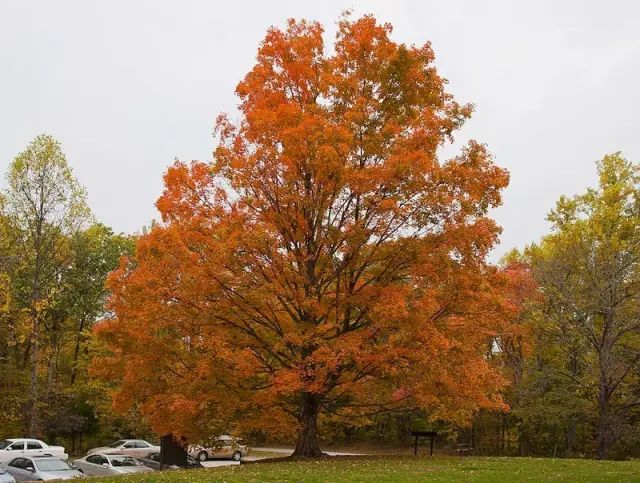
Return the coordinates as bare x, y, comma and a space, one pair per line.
575, 379
574, 373
54, 258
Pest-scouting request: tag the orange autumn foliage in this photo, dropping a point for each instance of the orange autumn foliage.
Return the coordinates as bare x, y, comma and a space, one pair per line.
327, 263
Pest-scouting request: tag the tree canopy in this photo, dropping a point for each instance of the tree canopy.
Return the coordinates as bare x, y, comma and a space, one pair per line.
589, 273
53, 265
326, 263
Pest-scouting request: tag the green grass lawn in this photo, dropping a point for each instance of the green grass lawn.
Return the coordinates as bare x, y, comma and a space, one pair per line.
405, 469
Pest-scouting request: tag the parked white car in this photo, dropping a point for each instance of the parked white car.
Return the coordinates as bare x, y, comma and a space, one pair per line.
99, 464
132, 447
15, 447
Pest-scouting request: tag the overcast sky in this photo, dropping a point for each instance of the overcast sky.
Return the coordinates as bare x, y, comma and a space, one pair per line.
127, 86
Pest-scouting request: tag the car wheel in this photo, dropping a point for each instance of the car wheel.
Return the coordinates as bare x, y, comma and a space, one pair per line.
236, 456
202, 456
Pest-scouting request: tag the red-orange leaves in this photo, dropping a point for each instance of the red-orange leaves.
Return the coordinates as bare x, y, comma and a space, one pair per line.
190, 192
343, 271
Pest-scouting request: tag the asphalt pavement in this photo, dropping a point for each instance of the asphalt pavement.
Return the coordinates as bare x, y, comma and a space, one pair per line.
281, 451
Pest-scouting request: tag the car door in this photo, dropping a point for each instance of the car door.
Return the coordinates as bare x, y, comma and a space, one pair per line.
129, 448
16, 448
33, 448
17, 468
135, 450
142, 449
84, 465
226, 449
152, 460
94, 465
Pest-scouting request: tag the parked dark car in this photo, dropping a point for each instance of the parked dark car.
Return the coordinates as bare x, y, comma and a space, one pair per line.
152, 460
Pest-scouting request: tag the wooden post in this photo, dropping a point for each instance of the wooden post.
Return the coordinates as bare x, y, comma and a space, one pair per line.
426, 434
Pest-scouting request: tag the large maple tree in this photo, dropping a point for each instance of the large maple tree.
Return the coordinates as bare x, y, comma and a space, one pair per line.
326, 263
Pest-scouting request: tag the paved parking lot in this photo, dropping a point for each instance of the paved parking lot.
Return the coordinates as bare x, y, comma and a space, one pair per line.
253, 457
289, 451
216, 463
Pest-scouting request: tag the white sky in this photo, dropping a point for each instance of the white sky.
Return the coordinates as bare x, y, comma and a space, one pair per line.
127, 86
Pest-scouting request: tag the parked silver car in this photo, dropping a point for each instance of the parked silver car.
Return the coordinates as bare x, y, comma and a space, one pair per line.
6, 477
100, 464
224, 446
43, 468
131, 447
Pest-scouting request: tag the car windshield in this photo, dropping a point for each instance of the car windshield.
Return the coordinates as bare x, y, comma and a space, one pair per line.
52, 465
123, 461
4, 444
116, 444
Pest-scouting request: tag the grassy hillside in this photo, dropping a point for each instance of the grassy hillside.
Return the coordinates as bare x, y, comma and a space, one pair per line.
406, 469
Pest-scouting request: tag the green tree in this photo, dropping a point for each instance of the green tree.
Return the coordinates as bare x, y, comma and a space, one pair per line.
9, 360
95, 252
589, 272
46, 205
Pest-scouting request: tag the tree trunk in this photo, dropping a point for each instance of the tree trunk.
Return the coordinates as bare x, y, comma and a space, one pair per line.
571, 437
603, 438
307, 443
51, 369
35, 340
33, 414
76, 352
472, 436
605, 430
503, 426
